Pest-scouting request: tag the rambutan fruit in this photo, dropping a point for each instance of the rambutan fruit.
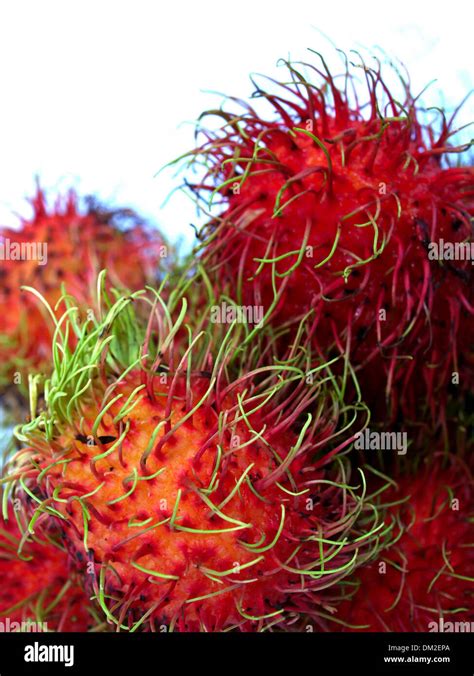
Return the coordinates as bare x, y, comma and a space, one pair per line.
64, 246
342, 206
425, 580
207, 490
40, 589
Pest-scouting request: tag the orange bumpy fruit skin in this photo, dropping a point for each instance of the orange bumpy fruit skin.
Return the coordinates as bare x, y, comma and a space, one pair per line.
39, 575
435, 551
80, 243
185, 578
357, 201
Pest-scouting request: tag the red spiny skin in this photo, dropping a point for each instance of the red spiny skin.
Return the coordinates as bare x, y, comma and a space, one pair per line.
377, 186
80, 243
437, 533
140, 518
36, 578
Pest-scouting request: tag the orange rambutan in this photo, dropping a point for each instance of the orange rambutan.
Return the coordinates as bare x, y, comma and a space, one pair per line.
202, 488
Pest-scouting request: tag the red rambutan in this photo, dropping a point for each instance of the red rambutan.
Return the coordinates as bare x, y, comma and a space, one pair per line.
345, 207
425, 580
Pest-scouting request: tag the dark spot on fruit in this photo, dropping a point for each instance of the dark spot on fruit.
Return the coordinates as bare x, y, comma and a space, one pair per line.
106, 439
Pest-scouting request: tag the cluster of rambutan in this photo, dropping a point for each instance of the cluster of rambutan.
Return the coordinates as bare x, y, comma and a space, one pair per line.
59, 251
190, 459
349, 216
